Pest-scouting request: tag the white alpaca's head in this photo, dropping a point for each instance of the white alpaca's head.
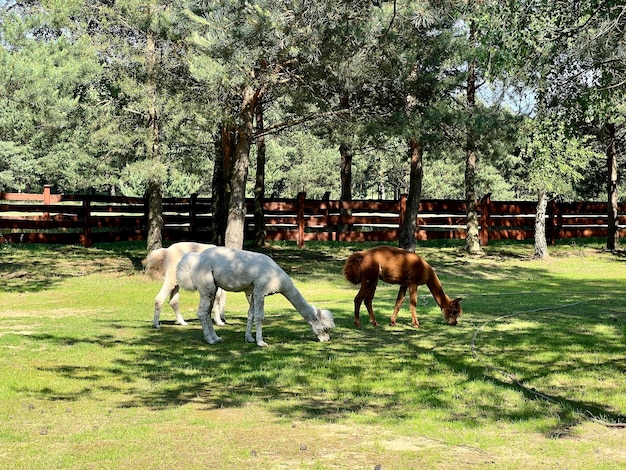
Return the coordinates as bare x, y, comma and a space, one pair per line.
323, 323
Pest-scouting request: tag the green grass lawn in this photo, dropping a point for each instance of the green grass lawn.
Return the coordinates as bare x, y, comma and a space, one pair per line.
534, 375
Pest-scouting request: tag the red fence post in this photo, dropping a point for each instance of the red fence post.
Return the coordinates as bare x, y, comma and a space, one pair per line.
485, 219
402, 209
46, 200
86, 241
193, 212
46, 194
551, 225
555, 219
301, 197
326, 205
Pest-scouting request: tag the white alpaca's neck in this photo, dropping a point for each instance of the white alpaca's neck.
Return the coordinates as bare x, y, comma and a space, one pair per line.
293, 295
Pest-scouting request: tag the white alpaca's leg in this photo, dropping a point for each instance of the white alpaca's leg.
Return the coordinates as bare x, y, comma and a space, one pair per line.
159, 300
259, 309
207, 298
207, 325
218, 307
249, 337
175, 306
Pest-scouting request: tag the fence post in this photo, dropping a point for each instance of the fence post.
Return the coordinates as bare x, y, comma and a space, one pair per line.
485, 219
193, 212
555, 218
47, 200
46, 194
87, 242
551, 223
326, 222
402, 209
301, 196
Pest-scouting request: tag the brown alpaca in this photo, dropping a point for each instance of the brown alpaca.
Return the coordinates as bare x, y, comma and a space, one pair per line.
396, 266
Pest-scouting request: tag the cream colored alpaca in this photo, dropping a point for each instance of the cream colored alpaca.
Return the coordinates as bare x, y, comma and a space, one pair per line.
161, 264
244, 271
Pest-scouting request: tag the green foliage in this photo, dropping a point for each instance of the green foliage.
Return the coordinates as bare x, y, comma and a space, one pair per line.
77, 91
572, 60
136, 176
381, 173
554, 159
45, 74
17, 166
443, 179
300, 162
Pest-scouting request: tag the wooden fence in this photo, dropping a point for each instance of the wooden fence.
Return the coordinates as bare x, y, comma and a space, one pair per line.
70, 219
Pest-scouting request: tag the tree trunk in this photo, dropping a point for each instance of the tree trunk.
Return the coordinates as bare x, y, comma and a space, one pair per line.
612, 239
259, 187
154, 196
541, 245
345, 150
472, 240
345, 174
406, 237
235, 225
224, 148
154, 192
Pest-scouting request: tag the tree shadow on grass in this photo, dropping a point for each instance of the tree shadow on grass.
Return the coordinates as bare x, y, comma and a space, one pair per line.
391, 372
386, 371
36, 268
569, 410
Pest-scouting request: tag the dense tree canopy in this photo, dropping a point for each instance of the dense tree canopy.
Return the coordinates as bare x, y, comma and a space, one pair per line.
149, 97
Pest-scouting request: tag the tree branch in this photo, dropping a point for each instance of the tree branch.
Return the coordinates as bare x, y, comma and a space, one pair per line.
281, 126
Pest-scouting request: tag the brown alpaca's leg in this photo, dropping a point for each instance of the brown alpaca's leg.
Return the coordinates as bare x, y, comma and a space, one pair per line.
357, 307
366, 293
413, 305
399, 301
369, 297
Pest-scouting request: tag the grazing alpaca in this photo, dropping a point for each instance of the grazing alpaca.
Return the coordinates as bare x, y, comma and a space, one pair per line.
396, 266
161, 265
244, 271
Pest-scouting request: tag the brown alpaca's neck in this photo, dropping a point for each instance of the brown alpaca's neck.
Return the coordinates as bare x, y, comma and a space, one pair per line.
435, 288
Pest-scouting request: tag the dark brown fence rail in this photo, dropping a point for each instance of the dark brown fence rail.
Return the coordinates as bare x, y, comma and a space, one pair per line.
69, 219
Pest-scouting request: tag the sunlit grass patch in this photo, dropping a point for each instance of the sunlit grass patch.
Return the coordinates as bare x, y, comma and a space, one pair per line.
538, 355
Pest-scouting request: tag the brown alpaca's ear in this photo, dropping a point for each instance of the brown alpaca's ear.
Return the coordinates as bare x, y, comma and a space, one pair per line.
457, 304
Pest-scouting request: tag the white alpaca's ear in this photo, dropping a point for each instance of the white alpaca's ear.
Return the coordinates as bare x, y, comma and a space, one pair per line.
319, 313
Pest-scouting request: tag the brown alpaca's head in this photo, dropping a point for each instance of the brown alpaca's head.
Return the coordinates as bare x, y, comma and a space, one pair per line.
452, 311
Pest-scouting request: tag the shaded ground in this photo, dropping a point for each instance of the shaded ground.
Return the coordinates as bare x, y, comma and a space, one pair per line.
92, 378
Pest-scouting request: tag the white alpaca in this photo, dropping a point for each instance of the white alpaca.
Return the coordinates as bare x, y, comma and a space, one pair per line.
244, 271
161, 265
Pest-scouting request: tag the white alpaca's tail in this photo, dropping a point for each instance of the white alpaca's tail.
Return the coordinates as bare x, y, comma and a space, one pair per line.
154, 264
183, 271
